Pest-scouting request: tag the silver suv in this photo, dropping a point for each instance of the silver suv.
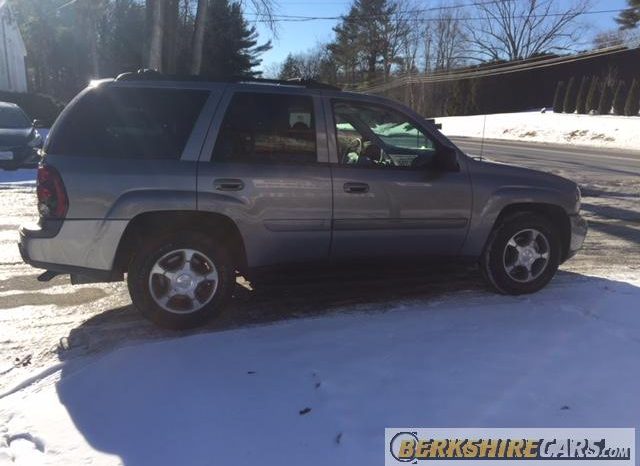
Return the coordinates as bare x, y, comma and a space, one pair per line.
182, 184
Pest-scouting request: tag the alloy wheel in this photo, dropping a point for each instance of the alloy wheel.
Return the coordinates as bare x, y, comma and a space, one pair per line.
526, 255
183, 281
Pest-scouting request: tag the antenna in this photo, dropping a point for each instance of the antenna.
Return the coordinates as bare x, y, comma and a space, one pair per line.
484, 125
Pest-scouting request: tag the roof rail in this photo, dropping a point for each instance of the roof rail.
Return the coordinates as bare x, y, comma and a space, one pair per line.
153, 75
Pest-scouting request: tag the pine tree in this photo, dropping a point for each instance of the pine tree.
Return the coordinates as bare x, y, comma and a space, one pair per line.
290, 68
344, 48
569, 105
619, 98
593, 95
630, 18
230, 44
604, 105
632, 105
368, 40
558, 97
581, 99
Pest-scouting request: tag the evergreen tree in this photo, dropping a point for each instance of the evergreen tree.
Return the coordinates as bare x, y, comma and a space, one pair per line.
581, 99
345, 48
369, 40
630, 18
569, 105
290, 68
604, 105
619, 99
593, 95
230, 44
632, 105
122, 38
558, 97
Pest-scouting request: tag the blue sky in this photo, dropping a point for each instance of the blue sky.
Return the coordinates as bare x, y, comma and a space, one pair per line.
299, 37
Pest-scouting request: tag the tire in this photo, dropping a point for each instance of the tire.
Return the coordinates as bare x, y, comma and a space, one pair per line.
513, 242
148, 288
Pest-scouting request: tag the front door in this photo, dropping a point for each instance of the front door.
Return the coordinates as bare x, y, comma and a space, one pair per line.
391, 196
269, 174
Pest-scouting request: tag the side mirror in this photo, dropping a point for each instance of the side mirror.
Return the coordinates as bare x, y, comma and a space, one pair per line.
38, 124
447, 159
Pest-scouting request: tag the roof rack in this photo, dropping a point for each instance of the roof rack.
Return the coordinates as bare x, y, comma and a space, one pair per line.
153, 75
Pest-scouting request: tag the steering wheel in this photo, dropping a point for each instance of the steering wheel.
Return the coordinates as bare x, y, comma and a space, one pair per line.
385, 159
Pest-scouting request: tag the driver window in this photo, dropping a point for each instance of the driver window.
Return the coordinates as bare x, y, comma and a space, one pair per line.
376, 136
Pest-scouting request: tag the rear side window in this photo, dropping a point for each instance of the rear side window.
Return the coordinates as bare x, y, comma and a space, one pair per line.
271, 128
128, 123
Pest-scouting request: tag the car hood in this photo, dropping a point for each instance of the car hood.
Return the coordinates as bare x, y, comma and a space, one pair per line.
514, 175
491, 179
15, 137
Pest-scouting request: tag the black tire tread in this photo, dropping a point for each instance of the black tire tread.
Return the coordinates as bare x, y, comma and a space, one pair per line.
145, 257
506, 227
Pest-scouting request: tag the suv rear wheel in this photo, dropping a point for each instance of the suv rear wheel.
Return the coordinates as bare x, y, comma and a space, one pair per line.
522, 254
182, 280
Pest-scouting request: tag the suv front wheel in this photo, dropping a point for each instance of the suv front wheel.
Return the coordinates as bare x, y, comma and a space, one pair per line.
522, 254
182, 280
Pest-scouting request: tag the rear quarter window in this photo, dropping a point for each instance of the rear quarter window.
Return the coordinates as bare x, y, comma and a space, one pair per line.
128, 123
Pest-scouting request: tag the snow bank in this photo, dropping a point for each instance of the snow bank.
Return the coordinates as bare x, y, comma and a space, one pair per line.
589, 130
321, 391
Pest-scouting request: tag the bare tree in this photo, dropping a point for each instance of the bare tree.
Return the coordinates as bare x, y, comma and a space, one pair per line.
395, 32
265, 11
89, 13
315, 63
157, 30
171, 37
198, 36
520, 29
427, 47
410, 50
449, 39
608, 39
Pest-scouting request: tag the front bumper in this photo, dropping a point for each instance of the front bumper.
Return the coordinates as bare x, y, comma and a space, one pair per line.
579, 229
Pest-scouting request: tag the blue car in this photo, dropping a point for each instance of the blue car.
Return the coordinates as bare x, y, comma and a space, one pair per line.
20, 139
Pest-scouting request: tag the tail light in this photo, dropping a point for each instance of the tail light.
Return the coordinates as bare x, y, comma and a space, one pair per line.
52, 196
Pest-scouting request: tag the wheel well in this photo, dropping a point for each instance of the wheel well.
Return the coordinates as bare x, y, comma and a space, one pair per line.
554, 213
220, 227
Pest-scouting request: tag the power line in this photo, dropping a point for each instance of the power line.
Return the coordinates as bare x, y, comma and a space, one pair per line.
301, 18
507, 68
609, 47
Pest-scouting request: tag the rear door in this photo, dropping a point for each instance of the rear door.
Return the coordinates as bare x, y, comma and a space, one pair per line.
391, 195
265, 166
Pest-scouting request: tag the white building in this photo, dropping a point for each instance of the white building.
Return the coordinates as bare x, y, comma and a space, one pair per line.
13, 72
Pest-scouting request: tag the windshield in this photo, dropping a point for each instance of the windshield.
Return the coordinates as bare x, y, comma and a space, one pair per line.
13, 118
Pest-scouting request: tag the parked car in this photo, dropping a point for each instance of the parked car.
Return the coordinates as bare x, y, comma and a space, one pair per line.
19, 138
182, 184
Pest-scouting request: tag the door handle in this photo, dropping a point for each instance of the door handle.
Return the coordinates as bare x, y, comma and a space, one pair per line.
356, 188
228, 184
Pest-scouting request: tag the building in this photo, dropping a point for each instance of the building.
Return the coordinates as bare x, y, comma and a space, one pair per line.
13, 72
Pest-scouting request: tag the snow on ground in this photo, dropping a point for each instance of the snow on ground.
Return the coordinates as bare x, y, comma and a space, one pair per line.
321, 391
615, 132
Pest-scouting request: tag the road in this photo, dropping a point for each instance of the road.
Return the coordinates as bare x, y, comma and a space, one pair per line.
587, 163
44, 323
